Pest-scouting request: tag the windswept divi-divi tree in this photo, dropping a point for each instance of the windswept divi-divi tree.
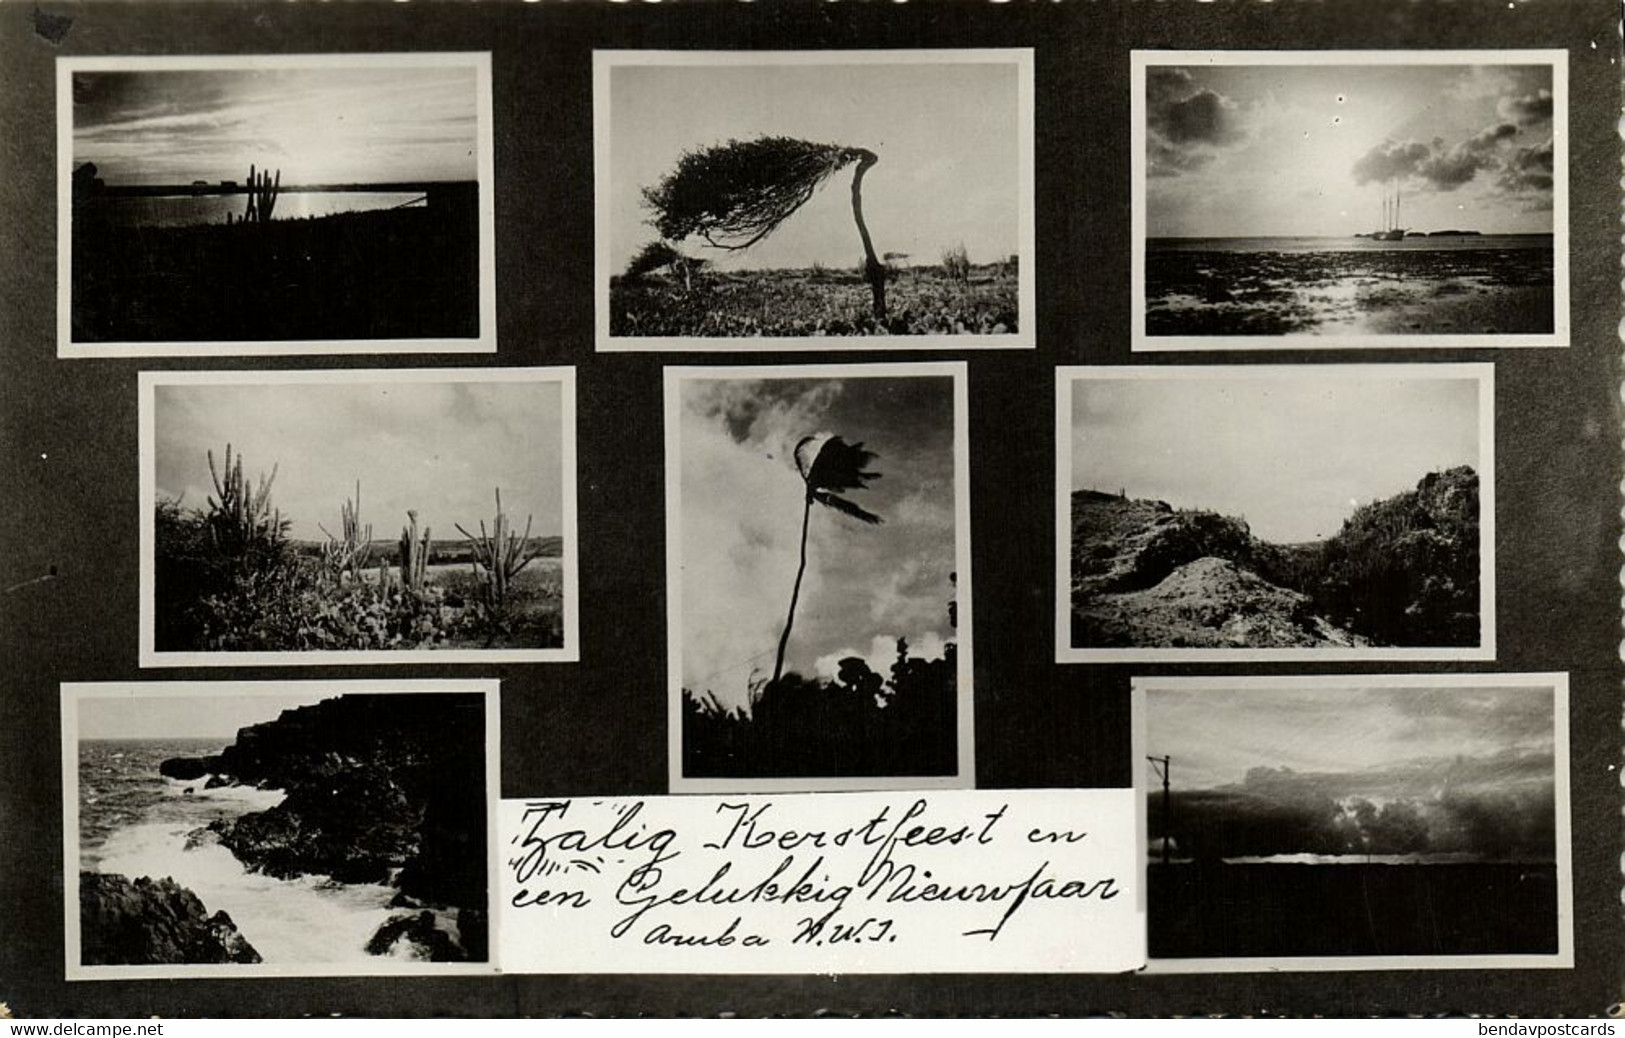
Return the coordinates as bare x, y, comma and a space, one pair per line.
735, 194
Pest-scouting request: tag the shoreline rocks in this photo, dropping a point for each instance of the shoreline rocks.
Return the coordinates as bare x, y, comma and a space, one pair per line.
147, 921
385, 789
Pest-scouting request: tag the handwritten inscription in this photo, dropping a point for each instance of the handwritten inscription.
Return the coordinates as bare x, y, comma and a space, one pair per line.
809, 877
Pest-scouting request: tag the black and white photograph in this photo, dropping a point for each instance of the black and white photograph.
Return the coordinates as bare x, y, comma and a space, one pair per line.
374, 516
1361, 199
818, 577
278, 828
275, 204
814, 199
1329, 512
1355, 823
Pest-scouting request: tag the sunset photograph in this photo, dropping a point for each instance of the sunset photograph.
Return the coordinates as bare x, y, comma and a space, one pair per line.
1345, 819
1350, 199
279, 200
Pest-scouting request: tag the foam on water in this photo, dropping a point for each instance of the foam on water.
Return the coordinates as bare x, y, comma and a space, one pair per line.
305, 920
241, 798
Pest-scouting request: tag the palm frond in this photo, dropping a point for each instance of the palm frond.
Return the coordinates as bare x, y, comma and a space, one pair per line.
837, 465
842, 505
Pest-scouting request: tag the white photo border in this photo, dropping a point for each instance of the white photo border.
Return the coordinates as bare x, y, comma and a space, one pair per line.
1555, 682
965, 777
604, 62
479, 61
72, 693
569, 652
1066, 376
1141, 60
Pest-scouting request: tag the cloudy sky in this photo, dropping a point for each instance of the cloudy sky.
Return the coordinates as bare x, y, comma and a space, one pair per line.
317, 125
1322, 770
1239, 151
1292, 456
946, 136
741, 509
212, 715
1216, 735
441, 448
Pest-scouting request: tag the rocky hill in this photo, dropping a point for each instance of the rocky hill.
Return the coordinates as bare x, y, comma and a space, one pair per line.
1401, 571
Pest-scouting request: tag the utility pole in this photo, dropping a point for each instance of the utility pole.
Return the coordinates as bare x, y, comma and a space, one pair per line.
1161, 766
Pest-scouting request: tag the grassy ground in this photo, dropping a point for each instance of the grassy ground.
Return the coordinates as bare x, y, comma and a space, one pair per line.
919, 301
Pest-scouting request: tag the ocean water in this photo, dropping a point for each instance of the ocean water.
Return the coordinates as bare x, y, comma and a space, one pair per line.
184, 210
135, 822
1350, 244
1486, 285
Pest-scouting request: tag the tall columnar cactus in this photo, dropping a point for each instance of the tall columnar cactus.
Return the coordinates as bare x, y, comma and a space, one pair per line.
262, 195
414, 553
348, 554
240, 514
501, 554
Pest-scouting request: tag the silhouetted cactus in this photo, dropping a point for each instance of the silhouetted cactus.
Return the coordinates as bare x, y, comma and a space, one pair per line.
262, 195
501, 554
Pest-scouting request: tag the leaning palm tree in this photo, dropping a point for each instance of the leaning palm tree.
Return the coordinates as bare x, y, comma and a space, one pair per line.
735, 194
828, 466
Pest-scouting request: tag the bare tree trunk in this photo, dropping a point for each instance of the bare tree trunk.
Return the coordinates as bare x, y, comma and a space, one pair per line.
784, 639
872, 268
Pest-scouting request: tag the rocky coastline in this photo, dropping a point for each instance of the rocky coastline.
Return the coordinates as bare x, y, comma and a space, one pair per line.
382, 789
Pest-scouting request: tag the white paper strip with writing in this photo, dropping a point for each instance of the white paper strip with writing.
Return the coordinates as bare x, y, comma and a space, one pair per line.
971, 881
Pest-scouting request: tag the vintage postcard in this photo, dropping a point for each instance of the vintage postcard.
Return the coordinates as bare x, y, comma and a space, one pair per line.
1264, 512
275, 204
260, 491
818, 577
744, 204
1349, 198
1370, 822
279, 828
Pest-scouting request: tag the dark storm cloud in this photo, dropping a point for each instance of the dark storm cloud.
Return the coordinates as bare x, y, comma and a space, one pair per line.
1203, 118
1445, 167
1507, 715
1529, 110
1391, 160
1448, 170
1499, 807
1185, 122
1491, 136
1165, 160
1529, 169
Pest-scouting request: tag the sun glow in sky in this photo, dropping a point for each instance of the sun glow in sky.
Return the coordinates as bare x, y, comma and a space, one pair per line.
1216, 734
317, 125
1276, 150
